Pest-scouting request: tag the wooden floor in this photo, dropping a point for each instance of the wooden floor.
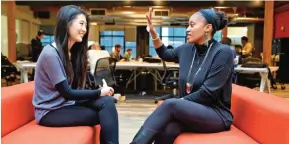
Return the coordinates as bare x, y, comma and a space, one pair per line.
279, 92
132, 113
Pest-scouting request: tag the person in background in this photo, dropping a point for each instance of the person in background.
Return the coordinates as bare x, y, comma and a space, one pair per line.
95, 46
94, 54
102, 47
127, 55
116, 53
247, 48
238, 49
36, 45
228, 41
59, 98
170, 47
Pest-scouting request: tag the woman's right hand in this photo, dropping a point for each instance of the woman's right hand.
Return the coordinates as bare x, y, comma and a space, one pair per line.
106, 91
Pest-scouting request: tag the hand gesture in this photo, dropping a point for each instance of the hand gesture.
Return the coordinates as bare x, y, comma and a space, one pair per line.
106, 90
149, 19
104, 84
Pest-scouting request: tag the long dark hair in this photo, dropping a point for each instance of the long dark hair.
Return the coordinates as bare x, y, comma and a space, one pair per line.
76, 69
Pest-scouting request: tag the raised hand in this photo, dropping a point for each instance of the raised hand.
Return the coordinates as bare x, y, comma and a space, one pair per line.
149, 19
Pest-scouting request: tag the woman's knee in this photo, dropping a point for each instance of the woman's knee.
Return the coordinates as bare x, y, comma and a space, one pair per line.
170, 133
107, 100
170, 102
104, 101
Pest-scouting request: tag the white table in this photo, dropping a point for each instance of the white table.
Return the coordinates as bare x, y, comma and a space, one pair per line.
140, 66
263, 73
24, 67
154, 67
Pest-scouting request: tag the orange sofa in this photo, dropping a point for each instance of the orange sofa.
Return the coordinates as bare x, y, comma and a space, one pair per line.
258, 118
19, 127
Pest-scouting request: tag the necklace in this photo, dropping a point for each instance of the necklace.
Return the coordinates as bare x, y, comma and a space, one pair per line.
189, 85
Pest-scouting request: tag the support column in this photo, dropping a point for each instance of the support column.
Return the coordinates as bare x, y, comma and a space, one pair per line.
11, 10
142, 41
268, 31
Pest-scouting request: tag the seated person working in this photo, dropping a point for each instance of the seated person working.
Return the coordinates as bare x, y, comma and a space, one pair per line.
116, 53
247, 49
127, 55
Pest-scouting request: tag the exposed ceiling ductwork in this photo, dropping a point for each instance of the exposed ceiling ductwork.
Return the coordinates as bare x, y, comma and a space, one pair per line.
168, 13
247, 19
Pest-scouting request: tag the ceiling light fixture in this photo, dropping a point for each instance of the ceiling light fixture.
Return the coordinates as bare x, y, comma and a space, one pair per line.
93, 23
128, 12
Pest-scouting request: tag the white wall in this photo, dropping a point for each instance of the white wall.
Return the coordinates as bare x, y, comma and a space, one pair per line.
25, 22
235, 33
250, 34
129, 31
22, 12
93, 33
4, 33
26, 26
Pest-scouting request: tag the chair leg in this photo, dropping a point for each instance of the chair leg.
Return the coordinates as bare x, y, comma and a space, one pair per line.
7, 84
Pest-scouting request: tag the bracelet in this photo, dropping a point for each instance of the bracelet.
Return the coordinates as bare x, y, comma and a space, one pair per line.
156, 37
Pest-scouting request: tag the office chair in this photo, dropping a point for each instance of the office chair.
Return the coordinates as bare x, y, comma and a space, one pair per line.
8, 70
104, 69
167, 80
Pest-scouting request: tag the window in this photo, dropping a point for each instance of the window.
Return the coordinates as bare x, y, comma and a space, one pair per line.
218, 36
152, 50
174, 36
109, 39
47, 39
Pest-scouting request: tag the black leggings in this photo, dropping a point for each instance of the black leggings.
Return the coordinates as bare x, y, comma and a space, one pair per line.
88, 113
175, 116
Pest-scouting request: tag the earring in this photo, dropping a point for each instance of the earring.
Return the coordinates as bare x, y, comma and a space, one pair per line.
206, 39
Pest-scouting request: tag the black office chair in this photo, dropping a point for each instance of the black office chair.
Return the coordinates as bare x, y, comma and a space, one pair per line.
104, 69
8, 71
168, 80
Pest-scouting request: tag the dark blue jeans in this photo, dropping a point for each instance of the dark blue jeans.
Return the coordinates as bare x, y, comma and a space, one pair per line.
175, 116
88, 113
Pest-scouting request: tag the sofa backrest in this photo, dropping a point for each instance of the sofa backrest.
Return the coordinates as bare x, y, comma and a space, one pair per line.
17, 109
262, 116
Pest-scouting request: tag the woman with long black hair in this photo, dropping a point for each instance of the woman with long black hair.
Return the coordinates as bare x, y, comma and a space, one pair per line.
59, 98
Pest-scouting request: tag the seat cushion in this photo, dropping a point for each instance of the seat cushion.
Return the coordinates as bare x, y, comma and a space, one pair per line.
262, 116
234, 136
33, 133
16, 106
